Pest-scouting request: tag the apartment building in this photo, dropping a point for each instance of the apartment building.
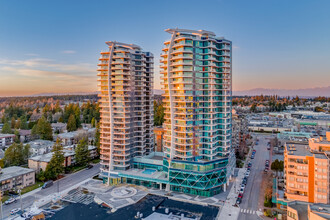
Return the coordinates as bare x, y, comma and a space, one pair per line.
125, 76
197, 80
306, 174
320, 143
16, 177
297, 210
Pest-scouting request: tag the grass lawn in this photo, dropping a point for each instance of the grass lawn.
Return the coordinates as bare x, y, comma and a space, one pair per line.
32, 187
97, 160
4, 198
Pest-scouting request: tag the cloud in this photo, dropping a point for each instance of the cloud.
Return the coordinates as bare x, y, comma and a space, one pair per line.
68, 51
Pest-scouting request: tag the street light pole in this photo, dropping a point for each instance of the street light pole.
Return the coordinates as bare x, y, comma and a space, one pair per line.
20, 198
1, 212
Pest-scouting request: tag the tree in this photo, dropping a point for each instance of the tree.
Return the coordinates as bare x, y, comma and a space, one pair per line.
6, 129
43, 129
82, 153
16, 155
55, 166
18, 124
71, 125
17, 137
97, 138
24, 124
93, 122
13, 122
253, 107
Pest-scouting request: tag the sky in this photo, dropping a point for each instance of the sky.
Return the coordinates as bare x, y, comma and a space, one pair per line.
54, 46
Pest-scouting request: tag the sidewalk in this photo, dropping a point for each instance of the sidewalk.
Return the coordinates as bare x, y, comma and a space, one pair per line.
229, 211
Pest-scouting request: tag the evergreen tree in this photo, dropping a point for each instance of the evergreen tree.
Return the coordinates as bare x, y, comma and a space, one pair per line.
17, 137
82, 153
16, 155
43, 129
24, 124
55, 166
6, 129
13, 123
97, 138
71, 125
18, 124
93, 122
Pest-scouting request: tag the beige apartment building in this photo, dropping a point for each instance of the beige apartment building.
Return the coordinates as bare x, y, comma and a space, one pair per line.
306, 174
320, 143
16, 177
304, 211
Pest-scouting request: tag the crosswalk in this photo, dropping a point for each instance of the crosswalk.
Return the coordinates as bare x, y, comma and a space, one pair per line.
248, 211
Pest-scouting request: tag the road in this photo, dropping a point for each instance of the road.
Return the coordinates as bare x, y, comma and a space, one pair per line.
249, 204
61, 185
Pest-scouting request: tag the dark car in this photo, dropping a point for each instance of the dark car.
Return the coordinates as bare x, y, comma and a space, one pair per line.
238, 201
244, 181
47, 184
89, 166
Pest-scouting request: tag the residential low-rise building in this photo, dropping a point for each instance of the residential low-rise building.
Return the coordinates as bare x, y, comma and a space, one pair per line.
58, 127
39, 147
40, 162
320, 143
25, 135
6, 139
16, 177
305, 211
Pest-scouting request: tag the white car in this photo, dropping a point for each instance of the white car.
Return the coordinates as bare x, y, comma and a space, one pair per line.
243, 186
14, 211
241, 190
9, 201
247, 173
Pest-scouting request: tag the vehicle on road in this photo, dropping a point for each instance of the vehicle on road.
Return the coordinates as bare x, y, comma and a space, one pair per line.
240, 195
247, 173
244, 181
238, 201
10, 201
250, 165
265, 170
47, 184
14, 211
241, 190
89, 166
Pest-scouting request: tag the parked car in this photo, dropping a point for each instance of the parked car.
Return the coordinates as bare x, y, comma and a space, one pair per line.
250, 165
240, 195
89, 166
247, 173
47, 184
238, 201
241, 190
244, 181
243, 186
14, 211
265, 170
10, 201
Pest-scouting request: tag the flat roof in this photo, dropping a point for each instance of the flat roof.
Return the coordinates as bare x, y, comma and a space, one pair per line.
302, 150
320, 209
6, 135
37, 144
301, 208
48, 157
14, 171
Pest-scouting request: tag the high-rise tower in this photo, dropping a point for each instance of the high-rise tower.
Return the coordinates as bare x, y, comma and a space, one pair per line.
125, 76
197, 70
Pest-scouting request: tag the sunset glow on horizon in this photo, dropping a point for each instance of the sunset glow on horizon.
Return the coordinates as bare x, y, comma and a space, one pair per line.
48, 48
